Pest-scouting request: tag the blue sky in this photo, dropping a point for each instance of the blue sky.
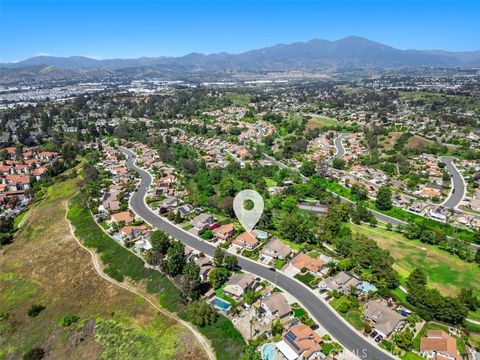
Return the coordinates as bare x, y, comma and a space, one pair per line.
108, 29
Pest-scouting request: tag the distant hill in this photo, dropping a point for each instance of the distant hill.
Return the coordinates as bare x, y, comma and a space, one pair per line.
351, 52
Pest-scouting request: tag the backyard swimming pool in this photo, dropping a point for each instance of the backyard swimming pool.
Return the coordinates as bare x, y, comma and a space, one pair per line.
220, 304
268, 352
261, 234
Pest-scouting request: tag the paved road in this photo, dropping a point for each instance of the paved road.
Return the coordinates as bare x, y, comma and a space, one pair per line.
322, 313
458, 183
339, 146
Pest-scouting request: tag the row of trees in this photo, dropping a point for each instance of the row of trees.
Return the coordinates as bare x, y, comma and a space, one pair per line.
169, 256
431, 305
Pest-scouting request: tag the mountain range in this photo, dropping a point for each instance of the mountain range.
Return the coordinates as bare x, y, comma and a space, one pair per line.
348, 53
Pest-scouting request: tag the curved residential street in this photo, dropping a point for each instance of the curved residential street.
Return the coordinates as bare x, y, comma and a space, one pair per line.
339, 146
458, 184
321, 312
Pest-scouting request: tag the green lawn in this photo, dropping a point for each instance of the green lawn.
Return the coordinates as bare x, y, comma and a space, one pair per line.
226, 340
353, 316
474, 315
280, 263
445, 271
19, 218
327, 348
270, 182
306, 278
293, 245
322, 121
411, 356
219, 293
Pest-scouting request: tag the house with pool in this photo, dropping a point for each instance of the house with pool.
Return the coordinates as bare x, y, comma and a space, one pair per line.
238, 284
299, 342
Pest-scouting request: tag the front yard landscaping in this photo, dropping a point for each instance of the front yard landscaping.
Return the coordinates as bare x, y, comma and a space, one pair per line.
350, 310
308, 279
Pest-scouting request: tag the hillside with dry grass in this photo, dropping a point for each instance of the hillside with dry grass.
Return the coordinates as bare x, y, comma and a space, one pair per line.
78, 314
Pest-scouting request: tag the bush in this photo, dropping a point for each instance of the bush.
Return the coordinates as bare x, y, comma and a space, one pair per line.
35, 309
343, 307
207, 234
201, 314
34, 354
69, 319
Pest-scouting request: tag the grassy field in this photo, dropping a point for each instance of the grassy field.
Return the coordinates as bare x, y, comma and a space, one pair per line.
319, 121
388, 142
44, 265
445, 272
121, 264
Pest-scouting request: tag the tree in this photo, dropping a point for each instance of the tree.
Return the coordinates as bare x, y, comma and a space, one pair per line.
218, 257
217, 276
175, 258
360, 191
160, 241
308, 168
404, 340
277, 327
250, 353
191, 280
384, 198
200, 313
417, 278
230, 262
251, 296
297, 227
338, 163
468, 298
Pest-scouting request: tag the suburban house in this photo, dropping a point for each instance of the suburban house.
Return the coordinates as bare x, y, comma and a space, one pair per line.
143, 244
168, 203
202, 222
247, 240
205, 265
432, 190
238, 284
439, 345
131, 232
300, 343
224, 232
184, 210
276, 306
303, 261
276, 250
342, 282
124, 216
385, 319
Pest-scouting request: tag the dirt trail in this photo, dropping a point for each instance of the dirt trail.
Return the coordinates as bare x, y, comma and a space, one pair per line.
98, 267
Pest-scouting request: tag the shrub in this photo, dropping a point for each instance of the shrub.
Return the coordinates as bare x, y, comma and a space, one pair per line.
69, 319
35, 310
34, 354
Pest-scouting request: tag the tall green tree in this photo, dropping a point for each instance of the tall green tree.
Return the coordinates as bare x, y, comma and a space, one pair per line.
175, 258
384, 198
